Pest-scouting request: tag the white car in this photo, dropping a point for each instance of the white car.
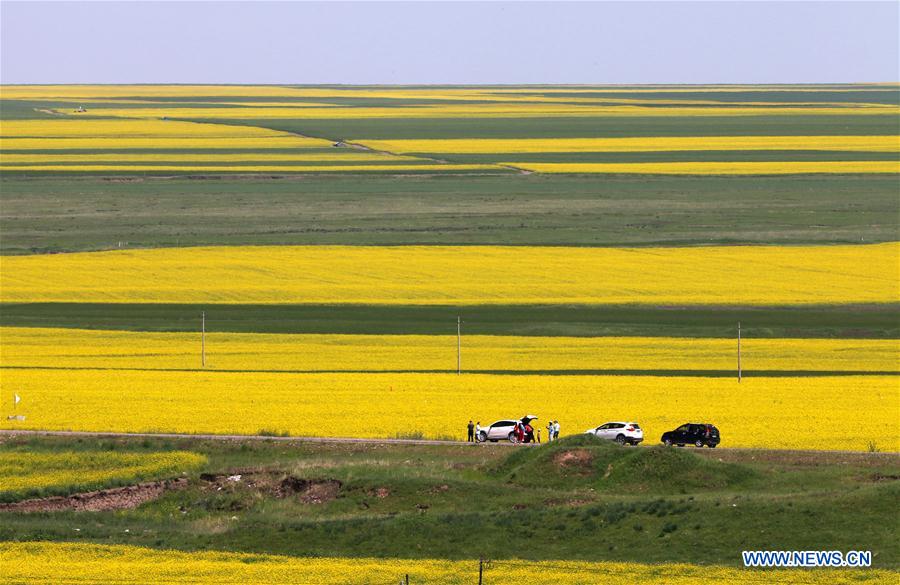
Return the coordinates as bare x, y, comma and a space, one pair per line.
504, 430
623, 433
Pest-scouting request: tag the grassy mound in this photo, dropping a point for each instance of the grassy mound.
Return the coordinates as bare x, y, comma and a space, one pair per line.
590, 462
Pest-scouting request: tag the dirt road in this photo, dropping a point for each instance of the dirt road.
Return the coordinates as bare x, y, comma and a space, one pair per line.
720, 451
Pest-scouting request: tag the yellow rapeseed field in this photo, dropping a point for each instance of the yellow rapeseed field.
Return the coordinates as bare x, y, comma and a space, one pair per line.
487, 110
24, 472
736, 88
68, 128
840, 412
36, 563
7, 159
48, 92
638, 144
166, 143
86, 134
718, 168
78, 348
754, 275
257, 168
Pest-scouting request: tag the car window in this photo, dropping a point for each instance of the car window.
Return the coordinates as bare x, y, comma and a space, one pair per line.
502, 423
683, 429
603, 427
620, 426
636, 426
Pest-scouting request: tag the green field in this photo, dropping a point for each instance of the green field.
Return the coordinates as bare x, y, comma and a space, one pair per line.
462, 502
42, 215
839, 321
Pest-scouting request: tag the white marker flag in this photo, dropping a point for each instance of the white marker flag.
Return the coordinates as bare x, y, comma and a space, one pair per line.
17, 398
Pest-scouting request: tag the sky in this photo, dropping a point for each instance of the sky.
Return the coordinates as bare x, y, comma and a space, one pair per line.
449, 42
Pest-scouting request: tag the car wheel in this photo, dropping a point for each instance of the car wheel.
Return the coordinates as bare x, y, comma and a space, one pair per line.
667, 442
620, 439
698, 443
481, 438
512, 438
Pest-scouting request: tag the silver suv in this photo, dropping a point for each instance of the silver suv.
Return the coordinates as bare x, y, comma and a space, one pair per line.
623, 433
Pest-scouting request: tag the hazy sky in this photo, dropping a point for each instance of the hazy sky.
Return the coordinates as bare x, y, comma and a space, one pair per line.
467, 42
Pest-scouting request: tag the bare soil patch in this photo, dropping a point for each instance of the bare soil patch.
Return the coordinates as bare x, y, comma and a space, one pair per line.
121, 498
274, 484
577, 460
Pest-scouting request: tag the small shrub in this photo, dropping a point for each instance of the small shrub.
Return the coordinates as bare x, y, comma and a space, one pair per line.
669, 528
273, 433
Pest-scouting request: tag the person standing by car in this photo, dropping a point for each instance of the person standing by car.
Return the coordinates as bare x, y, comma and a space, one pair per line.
471, 429
549, 431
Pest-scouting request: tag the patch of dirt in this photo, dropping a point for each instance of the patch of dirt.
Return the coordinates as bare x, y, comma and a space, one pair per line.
570, 503
439, 489
321, 491
578, 460
382, 492
275, 484
122, 498
883, 477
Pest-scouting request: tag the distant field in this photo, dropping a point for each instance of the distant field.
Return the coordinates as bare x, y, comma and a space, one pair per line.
844, 321
822, 412
51, 123
42, 214
40, 348
425, 275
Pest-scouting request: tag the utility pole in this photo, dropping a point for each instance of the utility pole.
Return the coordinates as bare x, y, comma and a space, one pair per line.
739, 352
203, 339
458, 346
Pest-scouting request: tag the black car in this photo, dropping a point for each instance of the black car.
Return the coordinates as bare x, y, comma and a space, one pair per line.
697, 434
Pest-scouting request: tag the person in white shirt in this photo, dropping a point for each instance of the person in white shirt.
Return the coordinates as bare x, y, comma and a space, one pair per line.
555, 430
477, 430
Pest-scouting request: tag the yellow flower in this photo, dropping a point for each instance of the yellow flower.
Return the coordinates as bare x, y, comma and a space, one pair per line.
736, 275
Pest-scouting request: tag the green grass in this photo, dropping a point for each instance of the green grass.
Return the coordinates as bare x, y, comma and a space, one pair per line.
669, 156
827, 321
415, 501
53, 215
581, 127
587, 461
